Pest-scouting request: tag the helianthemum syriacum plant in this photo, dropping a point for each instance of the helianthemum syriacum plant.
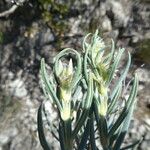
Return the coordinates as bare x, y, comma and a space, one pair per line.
88, 92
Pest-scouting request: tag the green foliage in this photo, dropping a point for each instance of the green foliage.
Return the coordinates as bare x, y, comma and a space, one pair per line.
54, 14
9, 108
143, 54
88, 94
1, 37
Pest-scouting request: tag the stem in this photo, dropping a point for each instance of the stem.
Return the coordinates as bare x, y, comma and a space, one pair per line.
68, 141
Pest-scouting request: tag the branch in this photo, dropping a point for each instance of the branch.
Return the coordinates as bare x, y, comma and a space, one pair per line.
11, 10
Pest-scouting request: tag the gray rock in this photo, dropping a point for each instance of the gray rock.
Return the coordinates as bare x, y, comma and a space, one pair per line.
106, 24
17, 88
120, 14
3, 139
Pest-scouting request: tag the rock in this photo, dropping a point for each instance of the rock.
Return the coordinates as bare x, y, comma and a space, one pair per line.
102, 9
147, 121
114, 34
17, 88
117, 12
45, 37
145, 145
106, 24
4, 139
7, 135
143, 75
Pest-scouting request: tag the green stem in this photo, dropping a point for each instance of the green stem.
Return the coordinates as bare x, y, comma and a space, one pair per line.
68, 135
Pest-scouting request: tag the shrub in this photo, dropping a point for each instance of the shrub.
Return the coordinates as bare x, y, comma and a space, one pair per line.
89, 96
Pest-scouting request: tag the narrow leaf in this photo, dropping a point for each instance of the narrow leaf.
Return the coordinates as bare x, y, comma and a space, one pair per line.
131, 145
126, 123
85, 135
88, 101
115, 65
42, 137
123, 76
114, 101
92, 133
125, 111
48, 84
80, 122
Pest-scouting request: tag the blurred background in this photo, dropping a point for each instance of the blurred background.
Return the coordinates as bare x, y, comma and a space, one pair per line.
32, 29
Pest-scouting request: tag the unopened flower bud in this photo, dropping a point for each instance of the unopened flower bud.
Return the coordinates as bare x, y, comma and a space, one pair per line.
102, 89
65, 113
102, 108
65, 94
97, 46
66, 76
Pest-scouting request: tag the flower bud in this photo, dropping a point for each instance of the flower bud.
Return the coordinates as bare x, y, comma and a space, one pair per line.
102, 107
97, 46
66, 75
103, 71
102, 89
65, 113
65, 94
